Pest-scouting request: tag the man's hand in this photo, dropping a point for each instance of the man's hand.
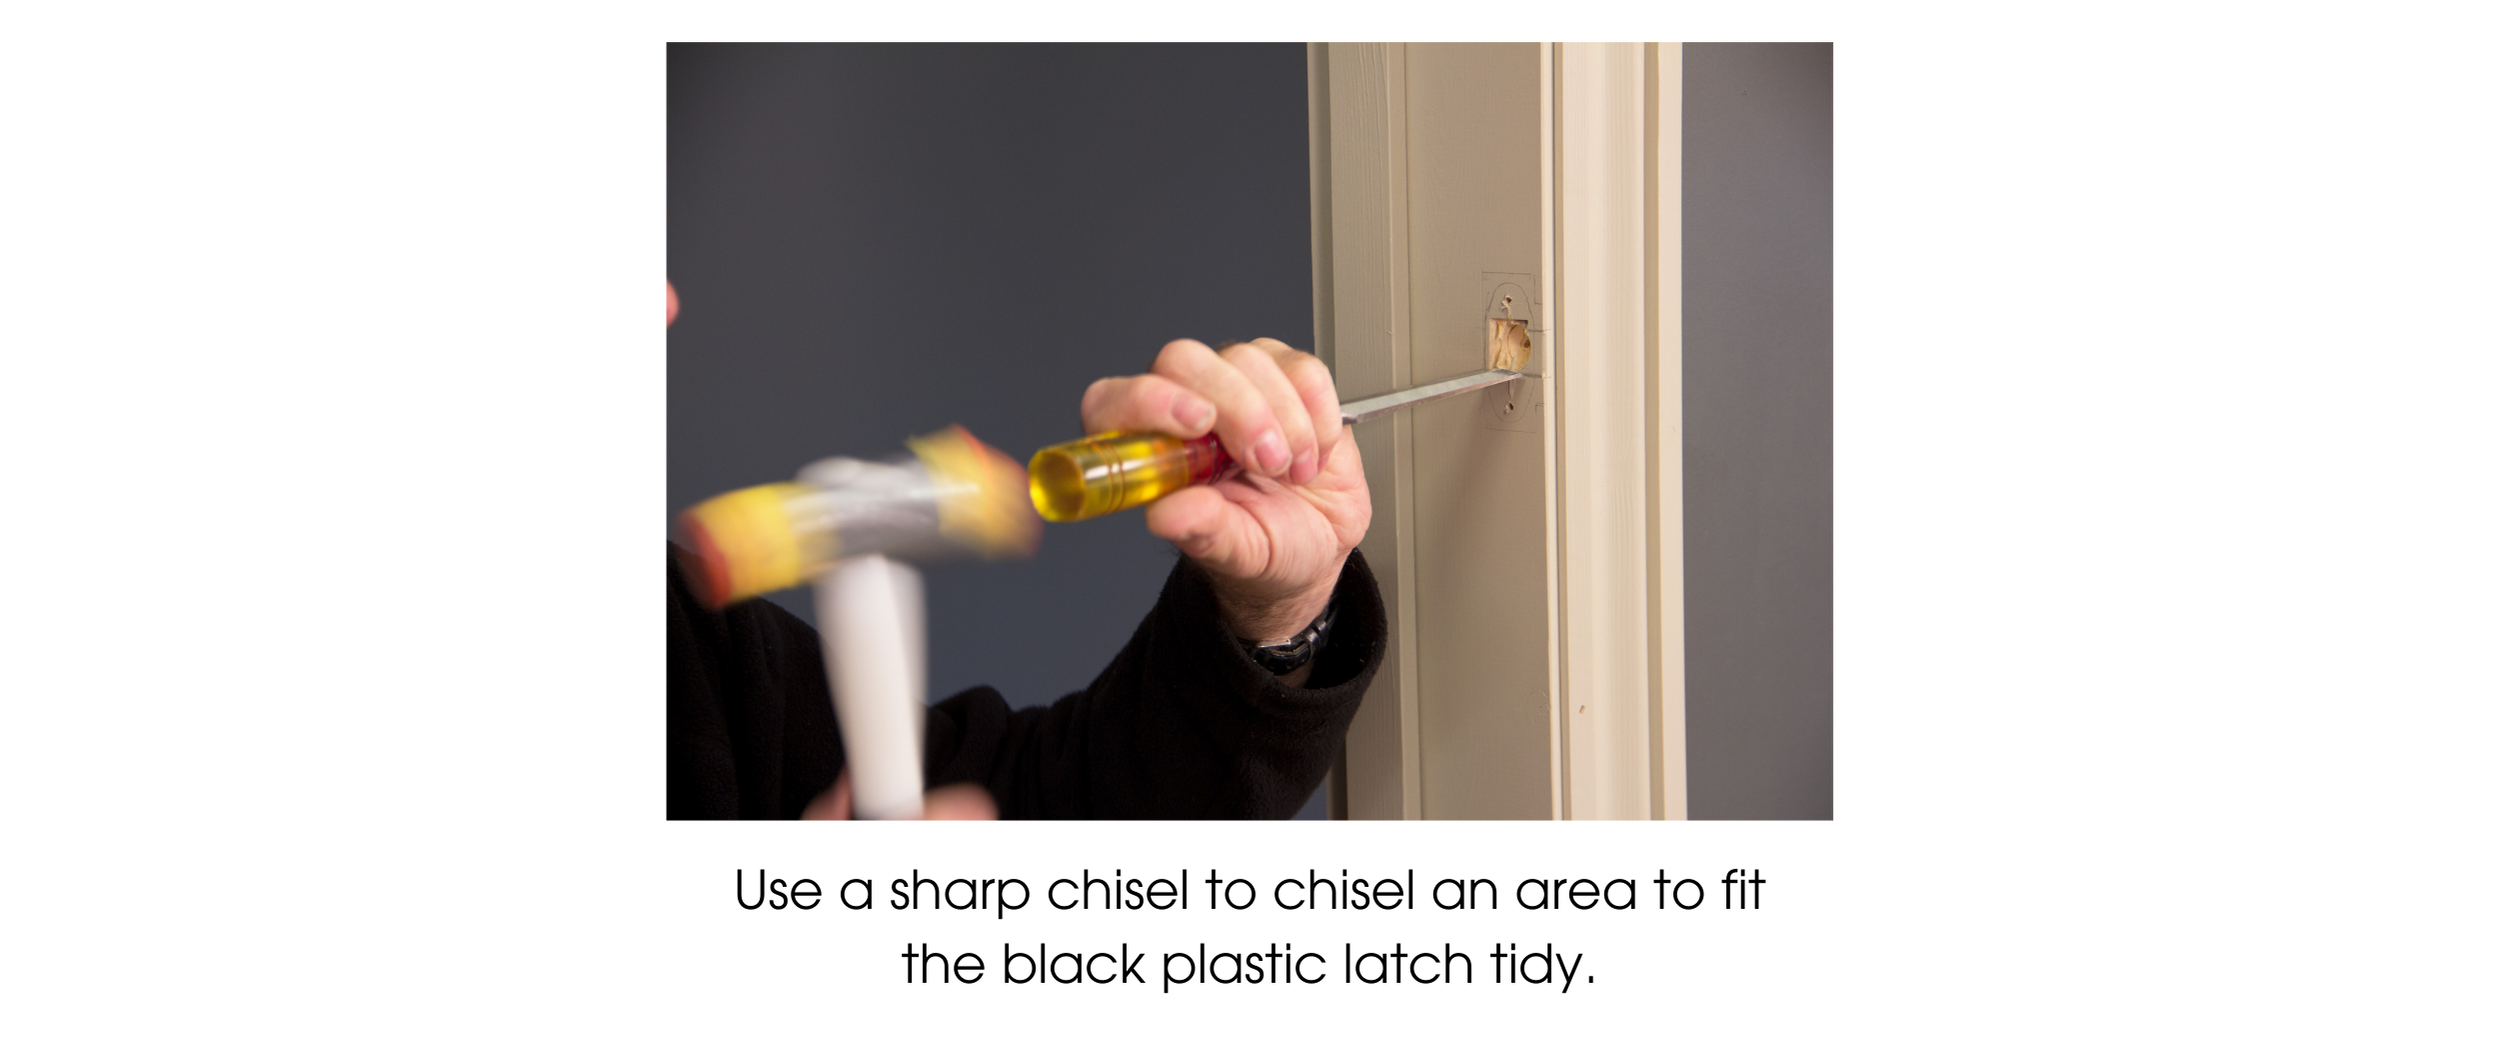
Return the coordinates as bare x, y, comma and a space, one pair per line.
960, 801
1275, 535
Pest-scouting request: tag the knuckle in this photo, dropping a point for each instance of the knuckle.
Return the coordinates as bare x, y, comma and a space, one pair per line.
1159, 395
1251, 417
1307, 372
1178, 356
1222, 381
1263, 371
1295, 415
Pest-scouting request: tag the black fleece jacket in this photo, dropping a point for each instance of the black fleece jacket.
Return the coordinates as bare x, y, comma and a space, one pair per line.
1182, 725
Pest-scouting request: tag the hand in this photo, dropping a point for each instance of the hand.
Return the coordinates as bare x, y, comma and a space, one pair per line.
960, 801
1274, 536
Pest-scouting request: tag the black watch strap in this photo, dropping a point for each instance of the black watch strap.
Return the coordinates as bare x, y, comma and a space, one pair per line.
1287, 656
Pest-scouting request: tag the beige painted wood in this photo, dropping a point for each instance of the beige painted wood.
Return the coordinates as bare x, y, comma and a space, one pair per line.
1666, 429
1516, 531
1549, 429
1359, 302
1603, 436
1474, 134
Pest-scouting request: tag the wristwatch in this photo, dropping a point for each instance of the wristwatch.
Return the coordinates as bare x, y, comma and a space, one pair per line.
1285, 657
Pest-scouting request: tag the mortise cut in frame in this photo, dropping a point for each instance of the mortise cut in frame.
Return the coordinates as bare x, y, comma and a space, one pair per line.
1506, 329
1506, 344
1506, 348
1510, 321
1510, 335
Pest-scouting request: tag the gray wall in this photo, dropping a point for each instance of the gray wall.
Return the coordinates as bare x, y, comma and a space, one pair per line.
873, 241
1758, 430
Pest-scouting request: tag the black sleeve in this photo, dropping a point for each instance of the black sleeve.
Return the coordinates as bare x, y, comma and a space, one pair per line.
750, 718
1182, 725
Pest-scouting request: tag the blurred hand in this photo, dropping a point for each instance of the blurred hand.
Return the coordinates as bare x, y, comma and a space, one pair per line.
1275, 535
960, 801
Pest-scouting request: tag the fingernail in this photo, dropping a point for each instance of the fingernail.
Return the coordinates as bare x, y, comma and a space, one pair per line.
1305, 466
1270, 451
1194, 414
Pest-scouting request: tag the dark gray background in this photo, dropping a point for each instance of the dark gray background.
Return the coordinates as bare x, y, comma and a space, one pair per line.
873, 241
1758, 430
